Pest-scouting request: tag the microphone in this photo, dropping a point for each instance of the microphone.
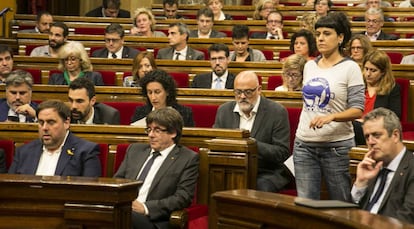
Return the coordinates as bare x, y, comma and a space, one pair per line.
5, 10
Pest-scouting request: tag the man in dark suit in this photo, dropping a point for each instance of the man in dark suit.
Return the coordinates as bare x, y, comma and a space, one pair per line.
6, 62
220, 77
109, 8
205, 23
114, 43
385, 177
171, 9
178, 34
374, 19
57, 151
43, 22
274, 26
17, 106
168, 171
267, 122
85, 109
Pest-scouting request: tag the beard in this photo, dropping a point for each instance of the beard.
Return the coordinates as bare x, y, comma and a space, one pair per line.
55, 45
77, 116
219, 71
245, 105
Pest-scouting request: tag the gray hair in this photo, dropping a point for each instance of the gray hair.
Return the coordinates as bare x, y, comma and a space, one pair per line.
19, 77
391, 120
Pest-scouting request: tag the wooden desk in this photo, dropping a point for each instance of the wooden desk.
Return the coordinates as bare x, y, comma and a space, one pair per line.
254, 209
65, 202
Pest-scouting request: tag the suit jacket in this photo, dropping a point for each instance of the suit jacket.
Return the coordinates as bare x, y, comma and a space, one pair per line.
3, 168
398, 201
271, 131
174, 184
59, 79
127, 52
78, 158
213, 34
186, 113
385, 36
104, 114
204, 80
258, 35
192, 54
4, 110
97, 12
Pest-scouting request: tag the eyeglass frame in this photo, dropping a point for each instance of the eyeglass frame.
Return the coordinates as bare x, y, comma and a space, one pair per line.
293, 76
220, 59
155, 130
70, 58
247, 92
114, 40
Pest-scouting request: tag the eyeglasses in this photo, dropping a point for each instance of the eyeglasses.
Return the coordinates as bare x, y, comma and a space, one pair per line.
113, 40
294, 75
219, 59
274, 22
322, 3
247, 92
156, 130
357, 48
375, 21
268, 8
71, 59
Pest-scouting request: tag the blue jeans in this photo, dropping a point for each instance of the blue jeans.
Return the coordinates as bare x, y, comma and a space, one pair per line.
332, 162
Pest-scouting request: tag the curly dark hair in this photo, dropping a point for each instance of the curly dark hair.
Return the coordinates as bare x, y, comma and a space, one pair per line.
310, 38
165, 80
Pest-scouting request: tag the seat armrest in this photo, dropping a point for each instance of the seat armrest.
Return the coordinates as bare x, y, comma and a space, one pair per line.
179, 219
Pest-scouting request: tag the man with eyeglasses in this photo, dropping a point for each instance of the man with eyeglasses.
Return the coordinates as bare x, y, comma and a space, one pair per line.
268, 124
57, 38
168, 170
205, 23
220, 77
114, 44
374, 19
109, 8
376, 4
274, 26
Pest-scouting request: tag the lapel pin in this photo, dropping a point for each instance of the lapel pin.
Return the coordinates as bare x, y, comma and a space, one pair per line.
69, 152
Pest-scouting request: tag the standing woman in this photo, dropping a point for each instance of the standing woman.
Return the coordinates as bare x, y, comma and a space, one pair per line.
74, 63
216, 6
333, 95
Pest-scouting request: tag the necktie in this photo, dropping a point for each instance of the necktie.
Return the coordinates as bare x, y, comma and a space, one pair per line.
218, 83
147, 166
114, 55
383, 178
177, 54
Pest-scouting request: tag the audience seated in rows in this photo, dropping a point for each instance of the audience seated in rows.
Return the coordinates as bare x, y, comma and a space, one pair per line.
109, 8
217, 7
220, 77
6, 62
43, 22
144, 24
242, 52
380, 88
178, 35
274, 26
160, 91
268, 124
205, 23
114, 44
358, 47
58, 36
57, 151
74, 62
292, 73
18, 105
263, 8
84, 107
143, 63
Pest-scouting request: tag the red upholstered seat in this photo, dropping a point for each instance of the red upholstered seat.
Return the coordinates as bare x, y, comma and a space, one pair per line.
36, 74
109, 77
395, 57
8, 146
29, 49
126, 110
274, 82
103, 157
90, 31
284, 54
181, 79
268, 54
239, 17
204, 114
93, 49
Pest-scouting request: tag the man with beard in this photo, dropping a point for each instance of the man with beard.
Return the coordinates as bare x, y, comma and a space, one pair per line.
57, 37
114, 44
17, 106
6, 62
85, 109
220, 77
43, 22
205, 23
57, 152
267, 122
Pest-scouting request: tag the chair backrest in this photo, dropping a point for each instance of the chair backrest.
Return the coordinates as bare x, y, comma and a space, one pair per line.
121, 150
404, 92
126, 110
29, 49
294, 115
8, 146
268, 54
36, 74
109, 77
395, 57
181, 79
204, 114
93, 49
103, 157
274, 82
90, 31
284, 54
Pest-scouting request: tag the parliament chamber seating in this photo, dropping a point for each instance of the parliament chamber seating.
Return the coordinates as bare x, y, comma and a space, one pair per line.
395, 57
8, 147
126, 110
36, 75
274, 82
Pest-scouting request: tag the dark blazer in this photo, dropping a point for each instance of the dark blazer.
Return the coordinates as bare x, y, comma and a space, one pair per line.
204, 80
271, 131
78, 158
385, 36
4, 110
174, 184
391, 101
59, 79
213, 34
127, 52
186, 113
3, 168
259, 35
398, 201
192, 54
97, 12
104, 114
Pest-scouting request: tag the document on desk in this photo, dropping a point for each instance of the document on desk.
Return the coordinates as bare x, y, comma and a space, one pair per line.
324, 203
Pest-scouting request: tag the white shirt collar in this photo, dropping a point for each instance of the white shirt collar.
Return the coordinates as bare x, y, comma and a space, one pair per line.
118, 53
183, 53
223, 79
